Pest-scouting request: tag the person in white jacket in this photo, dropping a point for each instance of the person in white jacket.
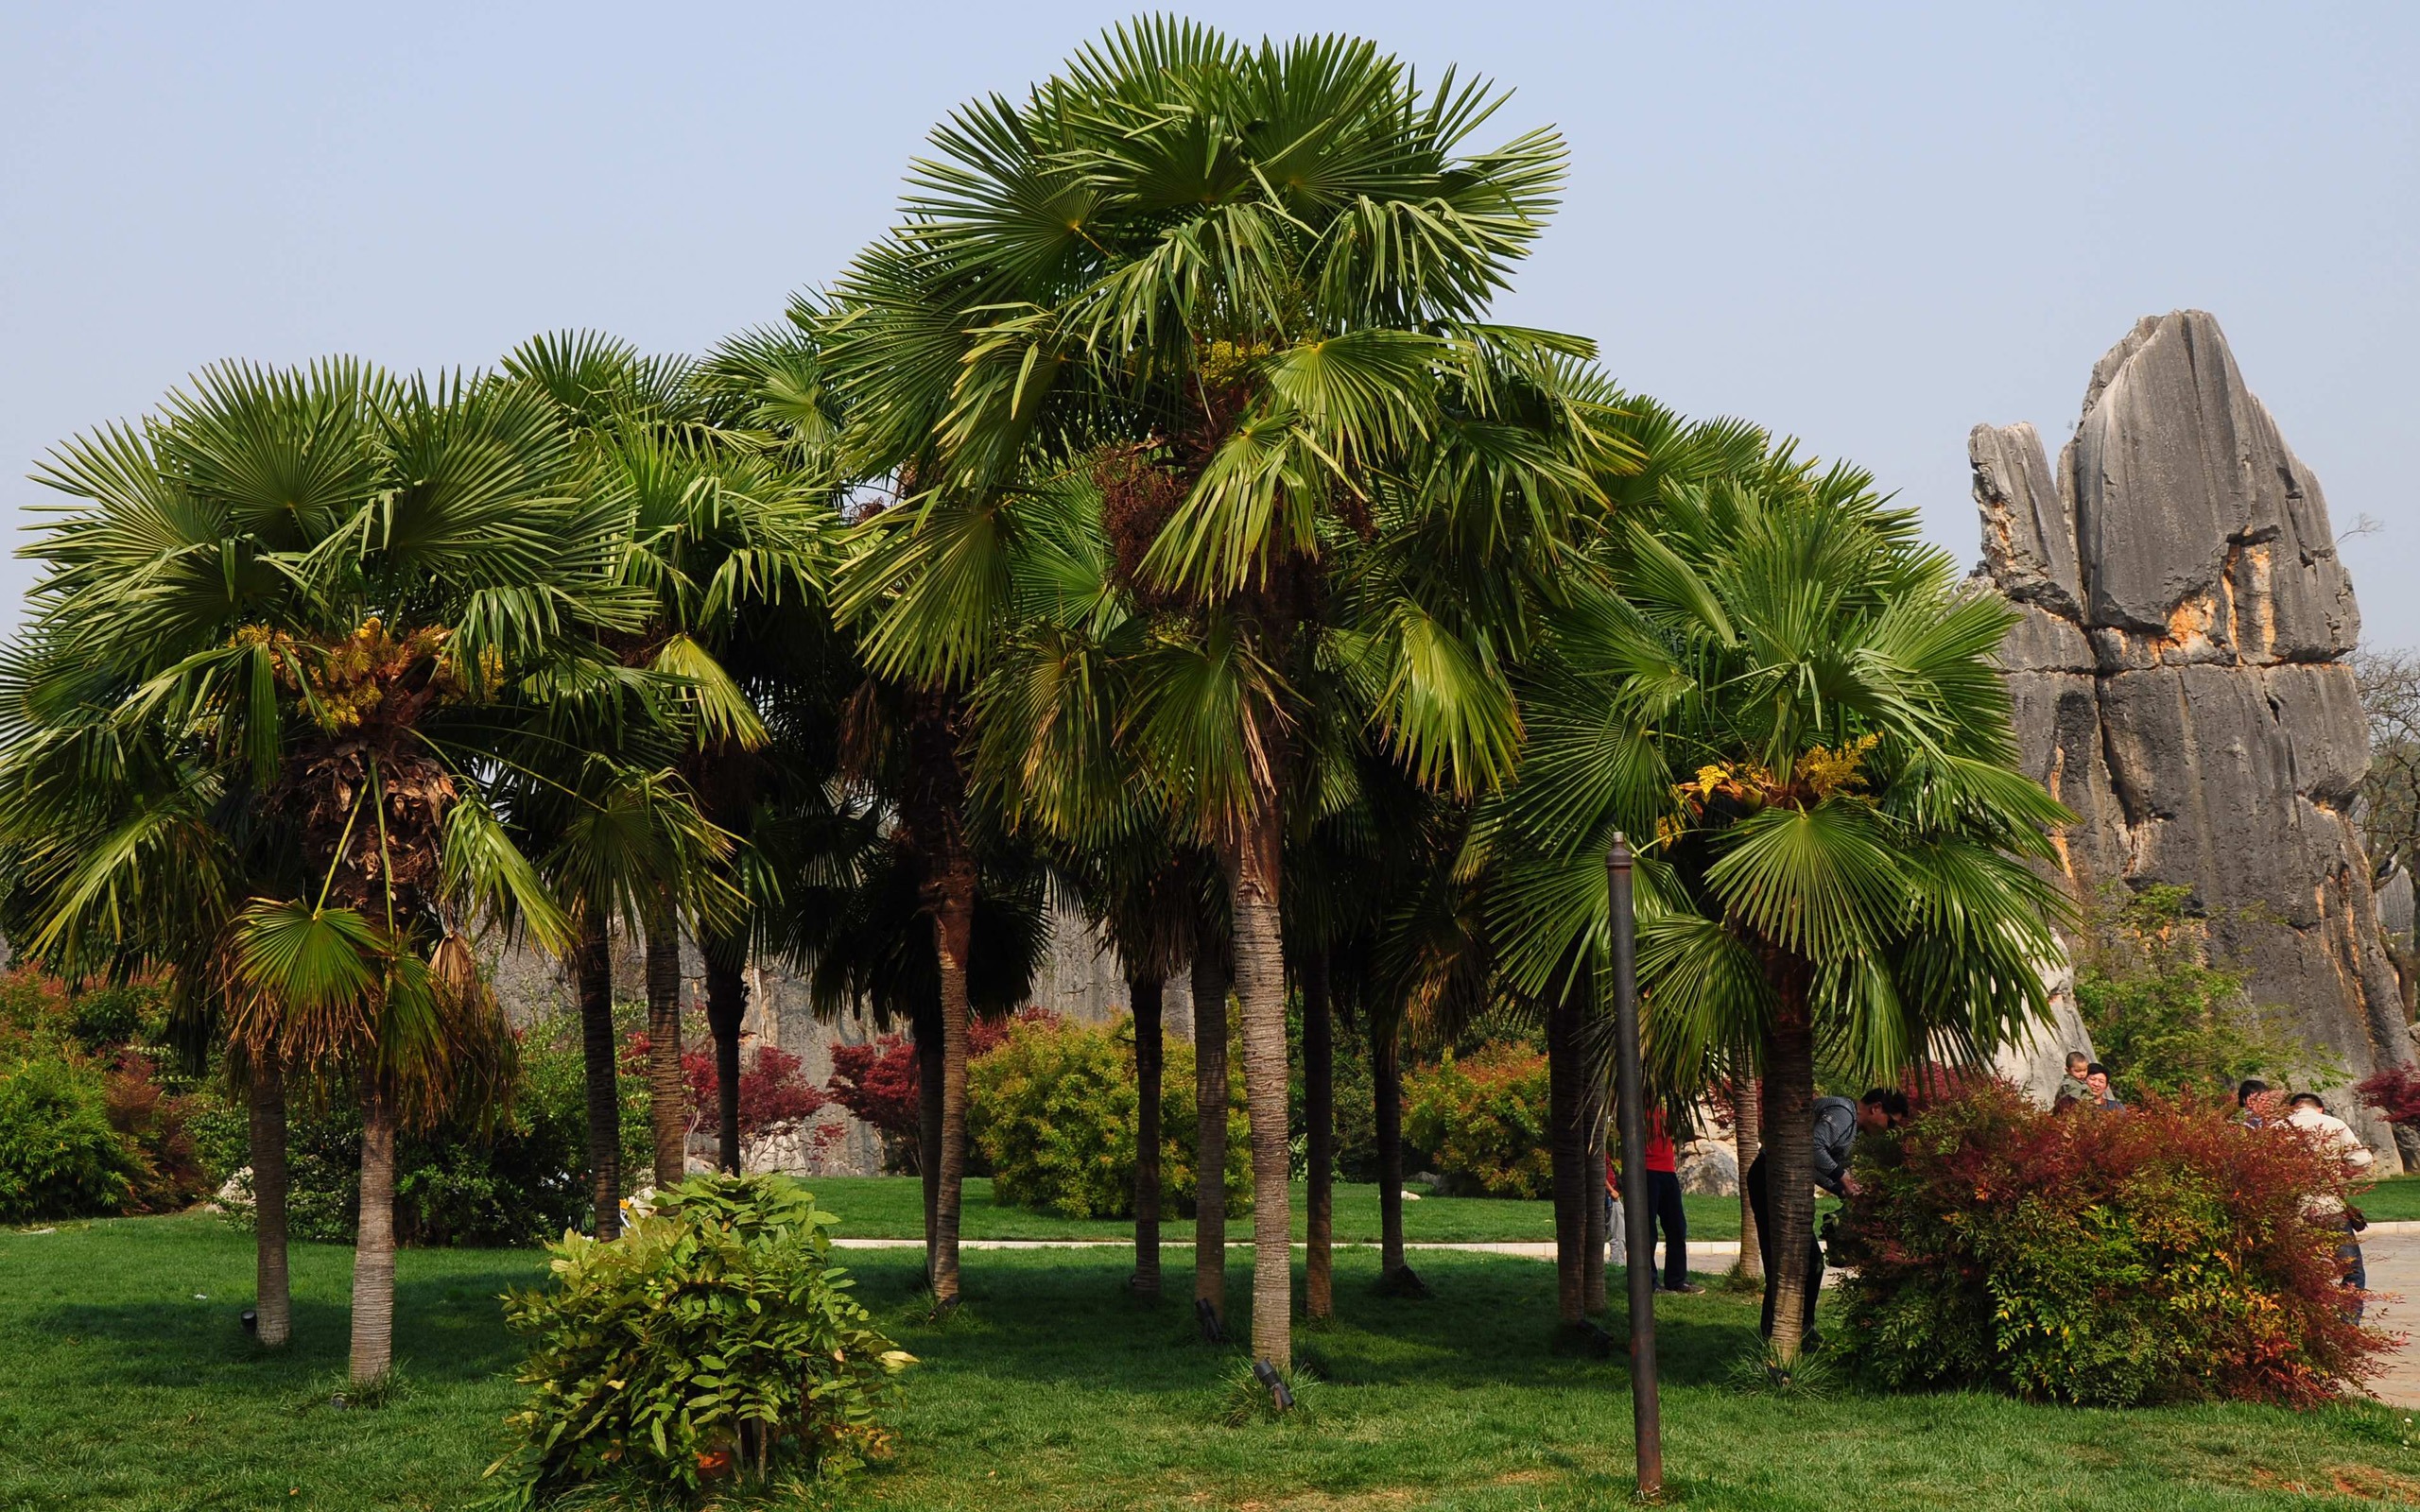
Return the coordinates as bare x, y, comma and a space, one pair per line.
2337, 1138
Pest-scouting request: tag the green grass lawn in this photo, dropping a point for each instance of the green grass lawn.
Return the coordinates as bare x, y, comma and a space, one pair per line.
2393, 1200
892, 1207
122, 1390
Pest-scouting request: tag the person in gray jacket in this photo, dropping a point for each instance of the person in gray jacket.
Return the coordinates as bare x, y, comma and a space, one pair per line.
1837, 1123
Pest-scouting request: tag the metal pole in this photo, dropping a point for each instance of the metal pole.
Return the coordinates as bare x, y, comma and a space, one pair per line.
1647, 1416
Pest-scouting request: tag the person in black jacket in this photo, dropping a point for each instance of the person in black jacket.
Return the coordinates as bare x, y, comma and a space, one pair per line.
1837, 1123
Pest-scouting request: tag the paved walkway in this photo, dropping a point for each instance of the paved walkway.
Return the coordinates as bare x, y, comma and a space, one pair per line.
2392, 1253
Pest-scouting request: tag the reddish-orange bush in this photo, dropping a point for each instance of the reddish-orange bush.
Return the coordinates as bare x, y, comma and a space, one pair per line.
154, 1123
2158, 1255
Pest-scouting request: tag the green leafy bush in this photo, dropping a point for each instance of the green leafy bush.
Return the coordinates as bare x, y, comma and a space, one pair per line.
2163, 1255
1483, 1118
713, 1339
1052, 1109
59, 1158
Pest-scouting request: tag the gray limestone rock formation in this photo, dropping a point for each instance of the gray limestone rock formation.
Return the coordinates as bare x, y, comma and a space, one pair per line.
2181, 678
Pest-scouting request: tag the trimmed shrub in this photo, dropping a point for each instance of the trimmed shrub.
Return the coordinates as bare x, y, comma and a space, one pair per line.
1053, 1108
59, 1156
1483, 1117
2161, 1255
715, 1339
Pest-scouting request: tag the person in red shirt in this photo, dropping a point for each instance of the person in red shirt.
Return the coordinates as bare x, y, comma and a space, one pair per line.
1663, 1208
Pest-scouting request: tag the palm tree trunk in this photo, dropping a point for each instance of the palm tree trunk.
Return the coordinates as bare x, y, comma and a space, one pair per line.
1573, 1185
1747, 1130
666, 1090
1143, 995
373, 1247
1319, 1111
1790, 1151
1260, 993
1210, 1124
726, 1011
1386, 1078
928, 1030
272, 1305
593, 964
953, 932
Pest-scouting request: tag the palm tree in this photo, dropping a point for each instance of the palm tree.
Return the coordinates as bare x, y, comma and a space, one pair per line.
1241, 288
121, 857
720, 468
1793, 702
614, 842
330, 588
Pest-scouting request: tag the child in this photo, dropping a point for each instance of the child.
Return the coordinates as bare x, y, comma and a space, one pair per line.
2072, 1083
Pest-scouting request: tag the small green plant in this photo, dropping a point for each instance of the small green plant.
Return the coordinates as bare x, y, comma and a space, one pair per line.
1814, 1376
1483, 1116
713, 1342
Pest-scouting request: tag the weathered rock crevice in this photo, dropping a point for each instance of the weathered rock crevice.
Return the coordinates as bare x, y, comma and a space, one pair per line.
2182, 678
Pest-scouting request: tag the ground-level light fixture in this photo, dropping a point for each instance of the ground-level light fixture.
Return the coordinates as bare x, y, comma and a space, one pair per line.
1267, 1375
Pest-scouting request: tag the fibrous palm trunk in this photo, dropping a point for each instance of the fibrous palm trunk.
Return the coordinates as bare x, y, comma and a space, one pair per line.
1260, 994
1144, 993
927, 1029
373, 1248
1319, 1111
726, 1009
272, 1307
1572, 1186
667, 1092
1789, 1152
592, 965
1210, 1125
1386, 1078
953, 908
1747, 1126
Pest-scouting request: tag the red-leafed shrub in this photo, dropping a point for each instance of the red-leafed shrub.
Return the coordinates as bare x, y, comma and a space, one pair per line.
775, 1098
2158, 1255
1928, 1084
879, 1082
2394, 1092
154, 1123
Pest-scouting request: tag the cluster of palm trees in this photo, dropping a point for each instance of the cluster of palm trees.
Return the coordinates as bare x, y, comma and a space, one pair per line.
1154, 508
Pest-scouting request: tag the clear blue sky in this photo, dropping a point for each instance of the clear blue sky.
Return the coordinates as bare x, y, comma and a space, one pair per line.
1871, 225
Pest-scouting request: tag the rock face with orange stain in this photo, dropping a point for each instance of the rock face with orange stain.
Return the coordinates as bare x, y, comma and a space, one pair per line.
2181, 676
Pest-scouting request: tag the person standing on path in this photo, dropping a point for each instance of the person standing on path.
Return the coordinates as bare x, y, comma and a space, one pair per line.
2336, 1138
1663, 1207
1837, 1123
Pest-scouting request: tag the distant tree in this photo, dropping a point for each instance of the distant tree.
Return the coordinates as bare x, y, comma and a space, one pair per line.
2166, 1014
2390, 807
